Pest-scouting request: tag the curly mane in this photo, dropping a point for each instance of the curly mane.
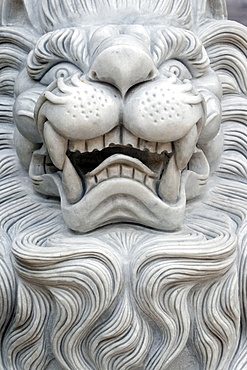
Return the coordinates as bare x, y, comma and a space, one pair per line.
63, 295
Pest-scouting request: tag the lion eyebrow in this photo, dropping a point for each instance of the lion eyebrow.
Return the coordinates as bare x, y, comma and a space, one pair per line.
67, 44
174, 42
70, 44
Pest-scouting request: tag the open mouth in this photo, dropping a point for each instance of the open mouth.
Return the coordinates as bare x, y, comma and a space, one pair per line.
100, 167
140, 179
119, 154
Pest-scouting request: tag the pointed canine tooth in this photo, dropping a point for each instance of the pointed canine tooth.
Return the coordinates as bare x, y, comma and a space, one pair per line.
128, 138
184, 148
164, 147
170, 182
77, 145
114, 171
113, 137
56, 145
96, 143
72, 183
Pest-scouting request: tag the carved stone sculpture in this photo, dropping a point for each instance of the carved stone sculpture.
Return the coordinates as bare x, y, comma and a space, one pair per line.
122, 185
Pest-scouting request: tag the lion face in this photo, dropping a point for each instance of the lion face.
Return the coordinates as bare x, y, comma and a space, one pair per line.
123, 123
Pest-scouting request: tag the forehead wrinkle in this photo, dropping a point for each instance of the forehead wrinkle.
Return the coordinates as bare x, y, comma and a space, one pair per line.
81, 12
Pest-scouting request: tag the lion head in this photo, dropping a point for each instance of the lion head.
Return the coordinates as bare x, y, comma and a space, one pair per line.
120, 109
122, 120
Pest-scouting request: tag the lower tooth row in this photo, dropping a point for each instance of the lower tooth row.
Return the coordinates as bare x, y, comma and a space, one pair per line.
123, 171
168, 187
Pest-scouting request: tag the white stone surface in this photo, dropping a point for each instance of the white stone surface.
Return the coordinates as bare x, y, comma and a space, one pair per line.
122, 186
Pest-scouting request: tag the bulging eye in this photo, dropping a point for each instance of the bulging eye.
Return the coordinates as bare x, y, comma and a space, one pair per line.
59, 70
177, 68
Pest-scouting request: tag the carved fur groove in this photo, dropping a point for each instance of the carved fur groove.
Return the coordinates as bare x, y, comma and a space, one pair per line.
123, 215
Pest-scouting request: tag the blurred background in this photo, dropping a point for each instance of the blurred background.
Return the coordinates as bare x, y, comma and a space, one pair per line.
237, 10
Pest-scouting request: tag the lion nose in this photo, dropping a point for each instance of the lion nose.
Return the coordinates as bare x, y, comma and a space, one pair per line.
123, 66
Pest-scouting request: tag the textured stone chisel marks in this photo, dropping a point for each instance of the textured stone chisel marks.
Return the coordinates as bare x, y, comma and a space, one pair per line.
122, 185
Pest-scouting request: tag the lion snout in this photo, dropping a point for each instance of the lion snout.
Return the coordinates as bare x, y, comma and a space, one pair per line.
123, 63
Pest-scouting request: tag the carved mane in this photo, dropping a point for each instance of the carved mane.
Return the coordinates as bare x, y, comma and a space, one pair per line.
63, 296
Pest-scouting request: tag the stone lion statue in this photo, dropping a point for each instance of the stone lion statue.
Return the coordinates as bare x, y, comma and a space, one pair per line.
123, 185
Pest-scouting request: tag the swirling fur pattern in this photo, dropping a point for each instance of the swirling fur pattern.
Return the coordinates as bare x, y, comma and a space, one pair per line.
109, 307
126, 298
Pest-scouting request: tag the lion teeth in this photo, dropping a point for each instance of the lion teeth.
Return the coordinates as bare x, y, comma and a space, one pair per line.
102, 176
77, 145
139, 176
164, 147
93, 144
127, 171
184, 148
151, 146
170, 182
118, 136
114, 171
121, 159
71, 182
129, 139
56, 145
120, 171
154, 147
150, 183
113, 137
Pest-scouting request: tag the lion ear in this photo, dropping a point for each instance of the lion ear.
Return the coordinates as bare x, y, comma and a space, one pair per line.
206, 9
24, 13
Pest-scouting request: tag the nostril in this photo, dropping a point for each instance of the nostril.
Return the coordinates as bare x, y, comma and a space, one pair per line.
152, 74
93, 76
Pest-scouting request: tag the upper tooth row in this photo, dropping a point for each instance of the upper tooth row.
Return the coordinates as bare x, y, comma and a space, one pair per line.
118, 136
57, 145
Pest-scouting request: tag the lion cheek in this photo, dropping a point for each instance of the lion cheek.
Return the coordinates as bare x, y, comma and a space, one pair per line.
23, 112
81, 113
156, 112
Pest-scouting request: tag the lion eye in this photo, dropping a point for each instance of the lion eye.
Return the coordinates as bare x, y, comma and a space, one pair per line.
177, 68
59, 70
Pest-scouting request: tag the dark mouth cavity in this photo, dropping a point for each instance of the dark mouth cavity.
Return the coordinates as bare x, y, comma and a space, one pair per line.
88, 161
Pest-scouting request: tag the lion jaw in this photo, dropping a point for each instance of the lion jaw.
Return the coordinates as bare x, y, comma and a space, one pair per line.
138, 152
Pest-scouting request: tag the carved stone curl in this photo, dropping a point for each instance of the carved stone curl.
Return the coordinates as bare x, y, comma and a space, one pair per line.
118, 111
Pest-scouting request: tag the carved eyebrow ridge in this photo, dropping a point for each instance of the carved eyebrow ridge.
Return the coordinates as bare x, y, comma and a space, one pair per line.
181, 44
68, 44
